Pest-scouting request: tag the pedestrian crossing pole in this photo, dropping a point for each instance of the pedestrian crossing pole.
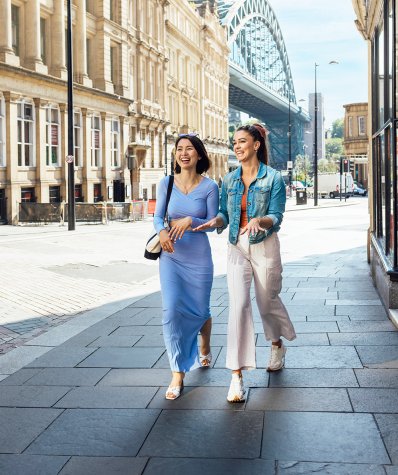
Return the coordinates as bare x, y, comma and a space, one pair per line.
70, 158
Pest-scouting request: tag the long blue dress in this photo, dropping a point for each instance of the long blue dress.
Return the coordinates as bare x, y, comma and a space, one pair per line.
186, 276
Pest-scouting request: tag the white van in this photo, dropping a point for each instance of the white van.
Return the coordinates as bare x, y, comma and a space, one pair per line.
329, 184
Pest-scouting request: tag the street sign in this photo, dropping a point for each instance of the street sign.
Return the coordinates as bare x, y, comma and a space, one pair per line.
69, 159
289, 164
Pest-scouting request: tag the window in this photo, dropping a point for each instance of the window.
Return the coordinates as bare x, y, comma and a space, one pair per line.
77, 139
115, 143
43, 54
114, 57
55, 194
2, 134
96, 141
114, 6
361, 126
52, 137
28, 195
79, 194
349, 126
25, 132
15, 28
97, 192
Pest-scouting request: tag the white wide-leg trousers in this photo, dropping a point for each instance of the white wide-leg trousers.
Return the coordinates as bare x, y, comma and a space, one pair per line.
261, 262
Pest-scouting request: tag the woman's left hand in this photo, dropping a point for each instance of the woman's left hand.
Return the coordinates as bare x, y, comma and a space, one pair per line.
252, 227
179, 226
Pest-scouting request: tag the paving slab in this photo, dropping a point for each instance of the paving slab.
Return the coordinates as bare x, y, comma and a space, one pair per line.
374, 400
31, 396
312, 378
96, 432
118, 341
377, 378
61, 357
104, 466
352, 310
31, 464
324, 437
200, 466
367, 326
19, 377
207, 434
388, 426
370, 339
303, 339
305, 468
299, 399
20, 426
378, 356
67, 377
105, 397
392, 470
122, 358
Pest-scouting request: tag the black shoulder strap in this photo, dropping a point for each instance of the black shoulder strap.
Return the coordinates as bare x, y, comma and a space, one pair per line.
169, 190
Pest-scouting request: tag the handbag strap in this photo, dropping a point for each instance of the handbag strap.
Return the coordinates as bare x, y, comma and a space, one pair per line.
169, 190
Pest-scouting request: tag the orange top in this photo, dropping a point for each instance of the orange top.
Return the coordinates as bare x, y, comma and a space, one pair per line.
243, 213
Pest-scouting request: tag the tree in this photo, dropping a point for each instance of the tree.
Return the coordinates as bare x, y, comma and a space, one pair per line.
334, 147
302, 168
338, 129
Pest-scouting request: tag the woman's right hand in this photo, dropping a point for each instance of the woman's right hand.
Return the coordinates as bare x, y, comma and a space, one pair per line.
213, 223
165, 242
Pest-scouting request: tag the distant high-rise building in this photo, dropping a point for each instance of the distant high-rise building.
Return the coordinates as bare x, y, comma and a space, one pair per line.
309, 129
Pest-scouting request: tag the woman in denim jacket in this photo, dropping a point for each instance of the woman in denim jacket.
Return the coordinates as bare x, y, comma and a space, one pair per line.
252, 203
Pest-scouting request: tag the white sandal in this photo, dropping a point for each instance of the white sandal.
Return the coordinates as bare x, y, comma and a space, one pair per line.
205, 360
174, 392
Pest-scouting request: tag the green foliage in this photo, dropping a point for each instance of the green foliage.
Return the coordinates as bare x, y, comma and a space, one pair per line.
338, 128
302, 168
334, 147
327, 165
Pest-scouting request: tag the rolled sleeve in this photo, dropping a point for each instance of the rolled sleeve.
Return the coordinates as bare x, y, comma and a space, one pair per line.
223, 211
277, 200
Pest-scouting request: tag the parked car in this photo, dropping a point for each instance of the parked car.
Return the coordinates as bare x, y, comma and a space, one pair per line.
358, 190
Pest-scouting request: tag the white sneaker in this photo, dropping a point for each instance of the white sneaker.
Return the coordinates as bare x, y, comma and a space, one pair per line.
237, 390
277, 359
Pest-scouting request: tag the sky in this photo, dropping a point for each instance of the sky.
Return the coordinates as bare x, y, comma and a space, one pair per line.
320, 31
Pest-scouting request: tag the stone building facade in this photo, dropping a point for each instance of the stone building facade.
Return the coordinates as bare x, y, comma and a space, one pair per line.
123, 118
376, 22
356, 140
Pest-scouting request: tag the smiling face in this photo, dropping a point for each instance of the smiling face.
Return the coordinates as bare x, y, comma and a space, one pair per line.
186, 155
245, 146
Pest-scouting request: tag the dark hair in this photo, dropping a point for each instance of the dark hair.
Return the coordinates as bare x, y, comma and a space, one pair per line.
204, 163
259, 133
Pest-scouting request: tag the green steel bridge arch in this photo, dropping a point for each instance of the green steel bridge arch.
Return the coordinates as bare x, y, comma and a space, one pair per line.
261, 82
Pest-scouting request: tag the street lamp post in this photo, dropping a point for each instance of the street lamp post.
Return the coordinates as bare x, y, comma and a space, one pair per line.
315, 144
289, 137
70, 158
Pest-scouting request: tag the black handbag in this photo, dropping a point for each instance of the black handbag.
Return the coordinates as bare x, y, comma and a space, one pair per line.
152, 247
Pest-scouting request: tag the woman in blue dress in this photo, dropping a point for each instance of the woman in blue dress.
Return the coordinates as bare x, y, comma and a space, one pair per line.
186, 265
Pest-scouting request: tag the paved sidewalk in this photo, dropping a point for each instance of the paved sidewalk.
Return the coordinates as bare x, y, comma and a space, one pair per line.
95, 402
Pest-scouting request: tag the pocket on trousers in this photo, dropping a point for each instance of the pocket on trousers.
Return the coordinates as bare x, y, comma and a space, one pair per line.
272, 251
274, 281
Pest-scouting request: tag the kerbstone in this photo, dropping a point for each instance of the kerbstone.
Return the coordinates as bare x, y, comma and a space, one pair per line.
96, 432
320, 437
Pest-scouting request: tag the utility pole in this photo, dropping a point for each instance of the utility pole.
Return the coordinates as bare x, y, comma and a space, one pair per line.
70, 158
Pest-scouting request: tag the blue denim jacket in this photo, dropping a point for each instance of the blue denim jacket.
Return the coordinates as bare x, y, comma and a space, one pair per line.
266, 196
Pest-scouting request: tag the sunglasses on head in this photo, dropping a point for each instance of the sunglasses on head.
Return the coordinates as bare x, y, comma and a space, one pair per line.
191, 134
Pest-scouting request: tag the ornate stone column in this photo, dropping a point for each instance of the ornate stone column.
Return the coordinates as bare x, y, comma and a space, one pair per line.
7, 54
58, 41
80, 41
32, 37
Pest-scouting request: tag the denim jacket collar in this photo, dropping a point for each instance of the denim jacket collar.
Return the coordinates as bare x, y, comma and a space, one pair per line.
262, 172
